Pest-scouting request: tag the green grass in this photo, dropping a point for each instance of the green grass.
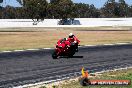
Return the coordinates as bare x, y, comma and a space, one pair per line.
119, 75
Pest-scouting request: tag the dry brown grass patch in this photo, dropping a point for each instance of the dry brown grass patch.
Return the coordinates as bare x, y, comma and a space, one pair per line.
24, 40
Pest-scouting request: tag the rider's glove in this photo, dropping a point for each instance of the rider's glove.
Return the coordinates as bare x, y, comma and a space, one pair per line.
68, 46
75, 41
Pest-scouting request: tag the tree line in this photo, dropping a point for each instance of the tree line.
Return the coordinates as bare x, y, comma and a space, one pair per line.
63, 9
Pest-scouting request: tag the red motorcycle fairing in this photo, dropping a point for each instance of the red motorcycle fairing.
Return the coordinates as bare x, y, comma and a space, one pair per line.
61, 49
65, 48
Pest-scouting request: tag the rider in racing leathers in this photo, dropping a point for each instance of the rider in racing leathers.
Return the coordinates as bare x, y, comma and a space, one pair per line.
73, 39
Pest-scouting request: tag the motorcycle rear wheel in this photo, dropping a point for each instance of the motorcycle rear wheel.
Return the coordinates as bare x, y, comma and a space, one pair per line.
71, 54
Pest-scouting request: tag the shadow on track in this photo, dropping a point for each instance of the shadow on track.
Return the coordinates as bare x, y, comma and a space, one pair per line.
70, 57
77, 57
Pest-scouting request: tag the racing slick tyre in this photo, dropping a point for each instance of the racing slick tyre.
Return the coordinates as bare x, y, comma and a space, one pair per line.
71, 54
76, 47
54, 55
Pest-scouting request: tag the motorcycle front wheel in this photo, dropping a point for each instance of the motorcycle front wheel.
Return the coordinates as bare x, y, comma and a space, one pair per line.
54, 55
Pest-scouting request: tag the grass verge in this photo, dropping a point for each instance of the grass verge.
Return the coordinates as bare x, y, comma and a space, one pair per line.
119, 75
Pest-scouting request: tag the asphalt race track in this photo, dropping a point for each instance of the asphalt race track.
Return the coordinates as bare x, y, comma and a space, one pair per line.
19, 68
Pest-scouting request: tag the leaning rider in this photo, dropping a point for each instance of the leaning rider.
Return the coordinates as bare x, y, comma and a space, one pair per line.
73, 39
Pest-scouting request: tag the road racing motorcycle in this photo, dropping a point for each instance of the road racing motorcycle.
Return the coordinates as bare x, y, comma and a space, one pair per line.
65, 49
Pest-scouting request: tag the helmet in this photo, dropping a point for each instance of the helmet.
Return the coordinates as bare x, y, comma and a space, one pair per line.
71, 35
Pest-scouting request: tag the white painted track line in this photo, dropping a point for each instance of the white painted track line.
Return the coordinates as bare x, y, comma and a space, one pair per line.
51, 81
79, 46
